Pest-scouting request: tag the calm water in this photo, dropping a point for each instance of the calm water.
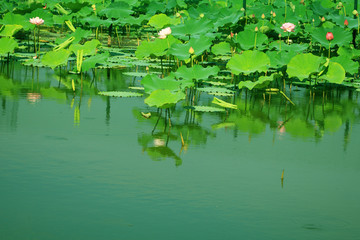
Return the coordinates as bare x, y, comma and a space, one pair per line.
89, 167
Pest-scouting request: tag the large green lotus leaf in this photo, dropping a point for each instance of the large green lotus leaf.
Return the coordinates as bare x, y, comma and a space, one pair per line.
196, 72
302, 65
221, 48
158, 48
116, 10
95, 21
335, 73
158, 21
89, 47
93, 60
43, 14
192, 27
227, 17
181, 51
246, 39
249, 62
340, 19
16, 19
56, 58
262, 82
163, 98
348, 52
120, 94
9, 30
341, 36
279, 59
349, 65
7, 45
153, 82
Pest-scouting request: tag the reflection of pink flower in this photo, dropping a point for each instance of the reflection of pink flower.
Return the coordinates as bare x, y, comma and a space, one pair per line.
36, 21
33, 97
281, 127
163, 33
288, 27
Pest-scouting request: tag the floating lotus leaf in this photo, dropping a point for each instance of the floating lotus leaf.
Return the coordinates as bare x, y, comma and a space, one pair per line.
9, 30
212, 90
153, 82
207, 109
16, 19
56, 58
349, 65
196, 72
302, 65
341, 37
120, 94
181, 51
222, 48
335, 73
246, 39
163, 98
158, 21
89, 47
7, 45
159, 47
249, 62
93, 60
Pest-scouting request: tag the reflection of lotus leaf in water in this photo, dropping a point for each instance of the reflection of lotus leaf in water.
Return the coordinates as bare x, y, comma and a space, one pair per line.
247, 124
299, 128
332, 123
161, 153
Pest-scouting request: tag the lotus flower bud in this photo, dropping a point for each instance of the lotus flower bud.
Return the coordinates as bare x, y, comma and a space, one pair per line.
242, 9
346, 23
202, 15
322, 19
340, 4
355, 13
263, 16
329, 36
256, 29
191, 50
177, 14
274, 14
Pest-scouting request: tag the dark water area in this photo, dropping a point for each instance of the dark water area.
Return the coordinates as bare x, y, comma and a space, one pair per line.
84, 166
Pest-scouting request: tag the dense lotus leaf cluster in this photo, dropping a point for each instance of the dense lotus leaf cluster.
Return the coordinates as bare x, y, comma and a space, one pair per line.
196, 42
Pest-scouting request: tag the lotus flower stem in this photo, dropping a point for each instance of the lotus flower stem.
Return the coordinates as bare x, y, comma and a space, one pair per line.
285, 12
35, 42
329, 48
358, 23
255, 40
39, 38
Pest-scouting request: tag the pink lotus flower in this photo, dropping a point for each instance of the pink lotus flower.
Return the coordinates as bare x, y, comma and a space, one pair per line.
329, 36
163, 33
288, 27
36, 21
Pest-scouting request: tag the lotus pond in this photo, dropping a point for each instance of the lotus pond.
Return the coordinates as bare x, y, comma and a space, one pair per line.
179, 119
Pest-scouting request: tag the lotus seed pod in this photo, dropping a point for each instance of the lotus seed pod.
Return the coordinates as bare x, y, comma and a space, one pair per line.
355, 12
